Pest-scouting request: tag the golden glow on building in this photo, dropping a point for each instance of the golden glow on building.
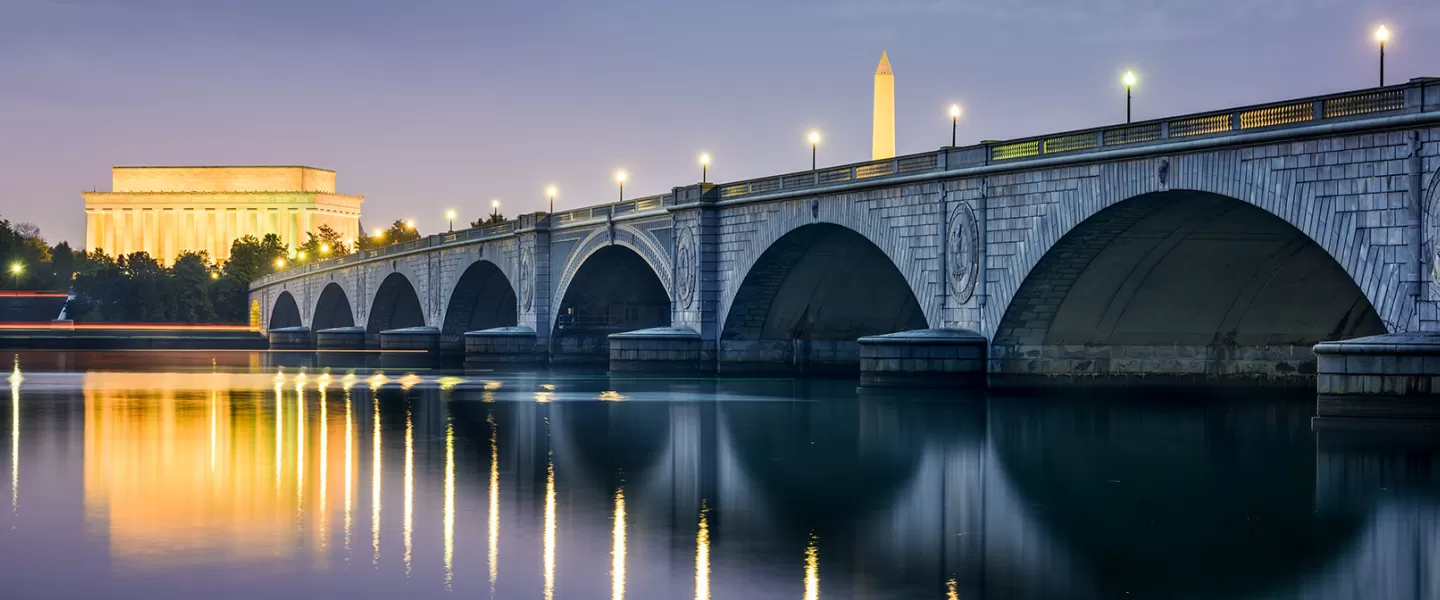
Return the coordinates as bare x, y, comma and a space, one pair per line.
812, 570
168, 210
617, 550
449, 504
702, 555
494, 517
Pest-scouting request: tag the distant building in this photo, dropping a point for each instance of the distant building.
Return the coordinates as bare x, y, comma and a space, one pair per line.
168, 210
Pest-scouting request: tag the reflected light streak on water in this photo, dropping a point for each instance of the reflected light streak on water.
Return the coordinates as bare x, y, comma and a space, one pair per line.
15, 379
349, 470
449, 504
324, 463
549, 556
702, 555
494, 517
812, 570
375, 483
214, 399
299, 447
617, 549
951, 591
409, 486
279, 429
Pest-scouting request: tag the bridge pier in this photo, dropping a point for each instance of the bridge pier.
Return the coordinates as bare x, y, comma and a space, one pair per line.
923, 358
662, 349
291, 338
411, 338
1379, 376
513, 346
340, 338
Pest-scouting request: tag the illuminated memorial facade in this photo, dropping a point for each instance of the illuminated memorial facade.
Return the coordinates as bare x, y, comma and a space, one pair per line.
168, 210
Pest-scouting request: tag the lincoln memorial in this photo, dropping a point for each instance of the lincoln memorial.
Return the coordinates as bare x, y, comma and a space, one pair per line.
168, 210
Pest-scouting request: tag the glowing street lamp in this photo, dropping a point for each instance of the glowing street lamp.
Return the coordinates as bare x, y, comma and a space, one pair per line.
378, 234
494, 210
410, 224
1129, 81
1382, 35
550, 191
450, 216
300, 255
15, 270
704, 166
620, 178
814, 146
954, 122
324, 248
214, 275
279, 263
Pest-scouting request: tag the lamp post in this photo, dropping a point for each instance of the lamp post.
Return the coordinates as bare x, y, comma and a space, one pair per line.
279, 263
954, 122
15, 270
324, 248
814, 145
450, 216
410, 224
1382, 35
550, 191
704, 166
620, 179
494, 210
1129, 80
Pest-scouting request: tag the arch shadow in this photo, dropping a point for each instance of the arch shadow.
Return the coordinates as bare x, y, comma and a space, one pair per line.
396, 305
1183, 283
810, 296
332, 309
614, 290
285, 313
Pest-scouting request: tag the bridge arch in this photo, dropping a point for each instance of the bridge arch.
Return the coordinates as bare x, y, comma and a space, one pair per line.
614, 288
820, 284
285, 312
482, 298
850, 216
642, 245
1180, 282
395, 305
332, 309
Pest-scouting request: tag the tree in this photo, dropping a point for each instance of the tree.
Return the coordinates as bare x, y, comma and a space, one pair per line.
64, 263
250, 257
401, 232
191, 284
324, 244
495, 218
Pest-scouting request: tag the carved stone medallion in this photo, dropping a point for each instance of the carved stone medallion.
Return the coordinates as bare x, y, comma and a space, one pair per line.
964, 253
527, 278
686, 267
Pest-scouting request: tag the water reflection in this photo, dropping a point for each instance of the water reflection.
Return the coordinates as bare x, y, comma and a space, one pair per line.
15, 379
704, 488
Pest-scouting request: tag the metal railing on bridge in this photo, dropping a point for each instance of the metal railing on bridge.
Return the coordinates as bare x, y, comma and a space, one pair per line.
1409, 97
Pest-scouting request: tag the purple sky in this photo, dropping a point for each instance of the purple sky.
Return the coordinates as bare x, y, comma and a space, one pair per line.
431, 104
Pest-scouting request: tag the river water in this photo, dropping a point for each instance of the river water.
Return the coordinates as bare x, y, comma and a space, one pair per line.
170, 475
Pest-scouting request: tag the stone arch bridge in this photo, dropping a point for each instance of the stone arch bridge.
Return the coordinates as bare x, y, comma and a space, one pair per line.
1220, 244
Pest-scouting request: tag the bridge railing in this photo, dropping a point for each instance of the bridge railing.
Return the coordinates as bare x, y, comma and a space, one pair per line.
1418, 95
1408, 97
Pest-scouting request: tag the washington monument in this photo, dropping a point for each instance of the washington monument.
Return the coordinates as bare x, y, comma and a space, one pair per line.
882, 143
